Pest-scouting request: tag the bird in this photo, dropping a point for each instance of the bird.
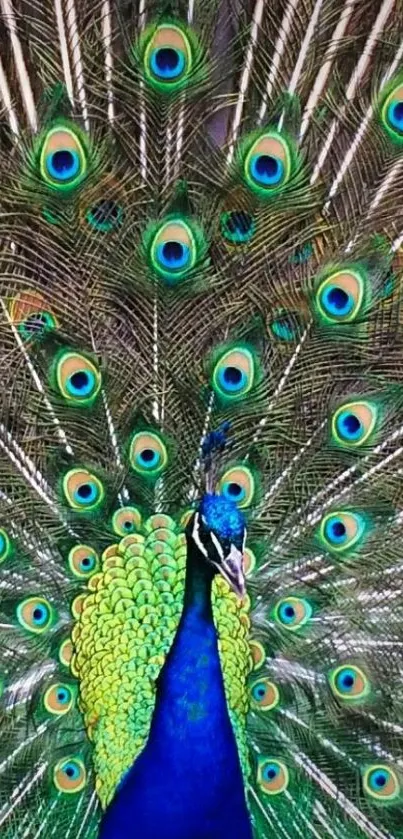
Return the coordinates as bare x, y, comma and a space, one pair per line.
201, 421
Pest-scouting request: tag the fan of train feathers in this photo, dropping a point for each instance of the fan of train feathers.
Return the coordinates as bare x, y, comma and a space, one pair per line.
200, 223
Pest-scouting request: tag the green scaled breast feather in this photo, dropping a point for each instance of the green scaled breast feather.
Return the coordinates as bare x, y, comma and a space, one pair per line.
124, 629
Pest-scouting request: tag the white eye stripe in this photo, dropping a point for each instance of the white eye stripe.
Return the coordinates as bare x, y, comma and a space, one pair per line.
217, 545
196, 537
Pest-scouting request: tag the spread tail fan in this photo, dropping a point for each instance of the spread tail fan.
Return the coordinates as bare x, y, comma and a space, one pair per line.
201, 355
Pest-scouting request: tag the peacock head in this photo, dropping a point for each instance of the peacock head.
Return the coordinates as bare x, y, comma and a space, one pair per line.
218, 530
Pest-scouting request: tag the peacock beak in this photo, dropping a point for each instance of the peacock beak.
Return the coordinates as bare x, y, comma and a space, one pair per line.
231, 568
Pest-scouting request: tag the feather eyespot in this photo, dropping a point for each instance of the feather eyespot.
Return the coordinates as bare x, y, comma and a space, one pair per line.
83, 561
78, 380
340, 531
292, 613
83, 491
58, 699
237, 484
353, 423
237, 226
392, 114
69, 775
339, 298
268, 163
126, 520
258, 653
170, 56
265, 695
381, 783
63, 158
148, 454
66, 652
106, 215
349, 683
5, 545
31, 314
35, 614
174, 248
272, 776
234, 373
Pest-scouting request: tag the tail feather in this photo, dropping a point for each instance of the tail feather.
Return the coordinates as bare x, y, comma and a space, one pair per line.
114, 342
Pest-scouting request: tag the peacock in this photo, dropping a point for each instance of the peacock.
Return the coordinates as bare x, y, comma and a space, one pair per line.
201, 421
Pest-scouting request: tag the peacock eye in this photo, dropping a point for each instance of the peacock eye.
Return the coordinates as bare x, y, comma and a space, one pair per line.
174, 248
340, 531
339, 297
392, 114
268, 164
238, 485
83, 561
272, 776
32, 316
168, 57
78, 379
126, 520
381, 783
349, 683
105, 215
148, 454
234, 373
83, 490
265, 695
69, 775
5, 545
58, 699
353, 423
35, 614
258, 653
63, 159
237, 226
292, 613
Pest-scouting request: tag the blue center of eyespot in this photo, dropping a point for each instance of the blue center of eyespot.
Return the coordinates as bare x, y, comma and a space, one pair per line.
72, 771
149, 458
335, 530
63, 696
39, 615
87, 563
128, 525
167, 63
173, 255
234, 490
237, 226
379, 779
81, 383
266, 169
336, 301
232, 379
223, 516
3, 544
259, 692
63, 165
395, 114
349, 426
86, 493
346, 680
271, 772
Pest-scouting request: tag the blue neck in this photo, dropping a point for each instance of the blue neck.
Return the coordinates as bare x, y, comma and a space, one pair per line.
187, 782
